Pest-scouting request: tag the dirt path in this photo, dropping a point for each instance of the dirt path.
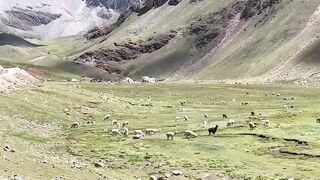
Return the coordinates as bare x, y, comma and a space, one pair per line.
37, 59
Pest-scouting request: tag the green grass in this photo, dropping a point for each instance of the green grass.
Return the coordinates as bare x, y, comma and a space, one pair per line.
228, 152
29, 137
163, 63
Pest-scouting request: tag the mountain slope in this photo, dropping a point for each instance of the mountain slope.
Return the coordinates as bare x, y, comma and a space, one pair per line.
252, 40
263, 47
8, 39
52, 18
215, 39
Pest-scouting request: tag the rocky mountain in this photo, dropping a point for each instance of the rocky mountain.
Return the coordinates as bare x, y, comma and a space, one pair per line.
118, 5
49, 19
52, 19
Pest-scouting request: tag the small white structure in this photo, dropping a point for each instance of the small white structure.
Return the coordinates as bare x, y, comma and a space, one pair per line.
147, 79
127, 80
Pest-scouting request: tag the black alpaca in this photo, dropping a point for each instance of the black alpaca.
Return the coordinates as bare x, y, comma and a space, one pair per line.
213, 130
224, 116
252, 113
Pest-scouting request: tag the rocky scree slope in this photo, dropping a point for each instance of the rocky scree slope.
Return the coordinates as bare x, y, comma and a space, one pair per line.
111, 60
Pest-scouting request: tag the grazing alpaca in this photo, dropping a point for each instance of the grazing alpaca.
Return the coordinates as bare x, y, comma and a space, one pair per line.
230, 122
107, 117
150, 131
125, 124
114, 123
265, 123
252, 125
170, 135
213, 130
126, 131
75, 125
190, 134
138, 132
245, 103
224, 116
252, 113
116, 132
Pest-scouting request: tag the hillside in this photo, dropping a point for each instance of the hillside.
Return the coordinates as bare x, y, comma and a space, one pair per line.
250, 40
227, 40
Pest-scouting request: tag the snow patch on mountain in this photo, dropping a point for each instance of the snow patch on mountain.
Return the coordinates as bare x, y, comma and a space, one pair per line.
74, 17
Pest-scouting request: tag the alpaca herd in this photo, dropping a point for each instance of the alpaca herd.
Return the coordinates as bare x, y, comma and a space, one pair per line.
255, 119
138, 134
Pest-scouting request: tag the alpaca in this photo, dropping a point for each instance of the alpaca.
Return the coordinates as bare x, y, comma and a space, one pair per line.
213, 130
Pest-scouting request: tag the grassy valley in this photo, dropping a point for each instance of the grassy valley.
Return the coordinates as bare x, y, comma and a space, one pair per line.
40, 120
